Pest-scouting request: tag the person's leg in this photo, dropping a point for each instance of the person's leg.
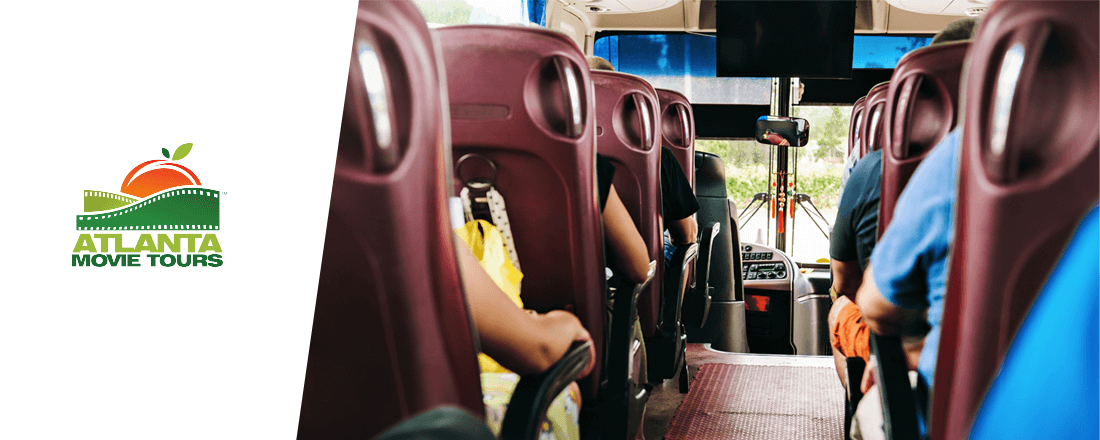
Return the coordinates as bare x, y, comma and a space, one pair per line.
834, 338
867, 423
849, 335
562, 420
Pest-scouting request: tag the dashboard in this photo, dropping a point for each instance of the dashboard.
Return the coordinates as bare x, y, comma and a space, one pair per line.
783, 312
757, 263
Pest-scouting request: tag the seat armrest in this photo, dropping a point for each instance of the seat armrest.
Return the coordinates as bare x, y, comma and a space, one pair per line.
650, 273
675, 285
899, 402
853, 374
535, 393
707, 234
442, 423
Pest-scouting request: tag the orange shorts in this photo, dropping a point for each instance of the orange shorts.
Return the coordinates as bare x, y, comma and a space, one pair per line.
850, 334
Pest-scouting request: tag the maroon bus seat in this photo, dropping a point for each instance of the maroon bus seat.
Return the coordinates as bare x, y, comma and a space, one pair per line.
678, 133
522, 99
627, 135
871, 133
921, 109
389, 342
1028, 175
855, 125
678, 129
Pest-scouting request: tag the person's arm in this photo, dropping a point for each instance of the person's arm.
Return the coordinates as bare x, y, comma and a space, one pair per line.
678, 202
623, 239
522, 342
885, 318
776, 139
881, 315
683, 231
847, 276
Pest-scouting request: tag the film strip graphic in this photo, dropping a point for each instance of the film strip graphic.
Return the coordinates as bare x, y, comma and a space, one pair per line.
180, 209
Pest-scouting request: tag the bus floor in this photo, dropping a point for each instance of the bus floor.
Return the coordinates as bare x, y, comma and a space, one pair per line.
778, 397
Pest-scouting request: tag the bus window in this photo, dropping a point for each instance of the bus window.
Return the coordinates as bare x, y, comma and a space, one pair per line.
818, 172
681, 62
454, 12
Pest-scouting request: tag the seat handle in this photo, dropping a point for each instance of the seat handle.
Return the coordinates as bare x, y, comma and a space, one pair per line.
570, 91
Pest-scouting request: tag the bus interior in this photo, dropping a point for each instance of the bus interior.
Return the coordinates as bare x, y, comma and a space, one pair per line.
455, 109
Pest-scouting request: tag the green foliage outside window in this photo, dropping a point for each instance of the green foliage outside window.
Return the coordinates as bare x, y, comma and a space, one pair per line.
445, 12
820, 163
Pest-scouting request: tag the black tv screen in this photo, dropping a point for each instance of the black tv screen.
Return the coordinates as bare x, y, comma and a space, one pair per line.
781, 38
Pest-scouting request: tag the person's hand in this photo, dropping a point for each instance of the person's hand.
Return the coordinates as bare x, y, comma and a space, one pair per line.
584, 336
571, 325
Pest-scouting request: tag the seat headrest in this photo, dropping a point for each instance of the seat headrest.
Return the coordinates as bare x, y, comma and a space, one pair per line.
873, 114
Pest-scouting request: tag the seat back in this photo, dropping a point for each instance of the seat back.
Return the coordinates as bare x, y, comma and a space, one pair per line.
855, 125
678, 129
627, 134
921, 108
391, 332
1028, 174
871, 136
724, 327
522, 98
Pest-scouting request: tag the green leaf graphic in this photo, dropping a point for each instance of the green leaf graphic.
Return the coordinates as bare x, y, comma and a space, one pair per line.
164, 151
181, 151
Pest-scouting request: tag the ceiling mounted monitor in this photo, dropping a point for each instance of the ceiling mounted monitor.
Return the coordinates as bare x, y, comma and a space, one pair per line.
781, 38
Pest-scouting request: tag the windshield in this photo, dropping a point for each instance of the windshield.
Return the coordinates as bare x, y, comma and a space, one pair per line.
687, 63
817, 170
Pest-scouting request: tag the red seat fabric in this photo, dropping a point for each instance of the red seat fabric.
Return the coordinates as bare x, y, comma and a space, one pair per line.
855, 125
678, 129
871, 133
522, 98
627, 134
388, 341
1028, 175
921, 109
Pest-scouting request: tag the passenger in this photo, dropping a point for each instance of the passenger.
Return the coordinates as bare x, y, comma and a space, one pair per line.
678, 202
627, 254
906, 278
626, 251
525, 343
853, 240
850, 247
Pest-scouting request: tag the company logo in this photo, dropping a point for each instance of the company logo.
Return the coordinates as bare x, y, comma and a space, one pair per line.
158, 195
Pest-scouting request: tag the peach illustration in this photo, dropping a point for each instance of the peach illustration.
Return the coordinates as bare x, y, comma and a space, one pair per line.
158, 174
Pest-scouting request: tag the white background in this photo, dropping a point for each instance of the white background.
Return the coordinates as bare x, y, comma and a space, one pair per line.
88, 90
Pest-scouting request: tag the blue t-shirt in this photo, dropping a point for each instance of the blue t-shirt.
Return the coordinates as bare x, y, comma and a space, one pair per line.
1048, 383
856, 227
910, 262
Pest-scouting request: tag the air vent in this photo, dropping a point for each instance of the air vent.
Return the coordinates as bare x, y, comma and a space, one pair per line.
976, 12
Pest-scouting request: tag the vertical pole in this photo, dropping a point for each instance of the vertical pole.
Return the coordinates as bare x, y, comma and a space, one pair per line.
780, 197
